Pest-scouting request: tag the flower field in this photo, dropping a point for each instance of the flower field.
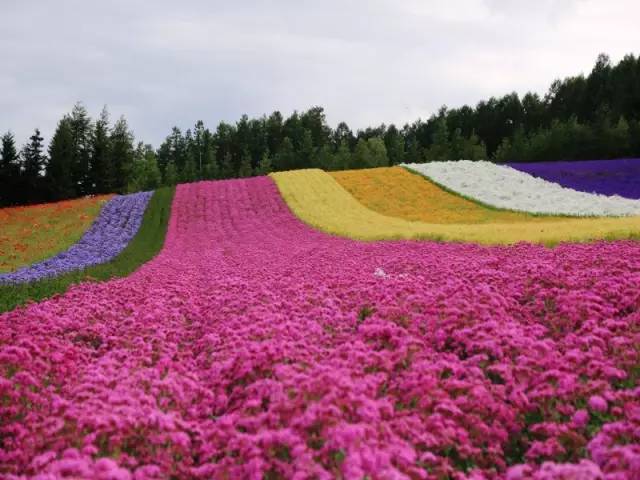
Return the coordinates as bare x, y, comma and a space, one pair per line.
397, 193
608, 177
316, 198
255, 346
116, 225
33, 233
505, 187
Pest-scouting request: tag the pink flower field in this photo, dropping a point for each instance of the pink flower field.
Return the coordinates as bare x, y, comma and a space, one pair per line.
256, 347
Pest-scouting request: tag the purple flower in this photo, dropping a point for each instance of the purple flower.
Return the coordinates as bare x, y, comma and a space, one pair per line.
608, 177
110, 233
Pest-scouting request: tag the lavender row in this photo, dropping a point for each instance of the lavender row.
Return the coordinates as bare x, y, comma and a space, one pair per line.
111, 232
607, 177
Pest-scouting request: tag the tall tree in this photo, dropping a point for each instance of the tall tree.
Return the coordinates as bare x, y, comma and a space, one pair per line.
265, 166
9, 171
122, 151
59, 176
102, 173
81, 132
34, 162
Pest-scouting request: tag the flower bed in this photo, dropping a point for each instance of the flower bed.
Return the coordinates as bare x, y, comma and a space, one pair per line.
607, 177
317, 199
33, 233
116, 225
256, 347
504, 187
398, 193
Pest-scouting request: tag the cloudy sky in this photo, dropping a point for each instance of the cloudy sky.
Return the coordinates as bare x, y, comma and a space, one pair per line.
166, 63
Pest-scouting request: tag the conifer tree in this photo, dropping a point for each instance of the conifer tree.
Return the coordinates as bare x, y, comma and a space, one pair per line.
33, 167
81, 161
102, 173
122, 151
265, 166
245, 169
59, 176
170, 174
9, 171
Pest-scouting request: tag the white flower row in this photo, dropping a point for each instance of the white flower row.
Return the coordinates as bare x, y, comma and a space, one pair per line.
504, 187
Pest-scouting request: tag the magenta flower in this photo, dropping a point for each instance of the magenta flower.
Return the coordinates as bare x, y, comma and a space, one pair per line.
580, 418
598, 404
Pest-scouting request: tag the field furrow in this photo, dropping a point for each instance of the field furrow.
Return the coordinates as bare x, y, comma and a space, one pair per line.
254, 346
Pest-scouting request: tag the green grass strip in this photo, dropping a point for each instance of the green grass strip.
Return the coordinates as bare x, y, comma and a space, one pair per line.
142, 248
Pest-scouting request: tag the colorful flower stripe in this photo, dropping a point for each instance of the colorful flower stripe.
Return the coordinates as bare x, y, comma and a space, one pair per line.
397, 193
317, 199
503, 187
31, 234
116, 225
607, 177
255, 347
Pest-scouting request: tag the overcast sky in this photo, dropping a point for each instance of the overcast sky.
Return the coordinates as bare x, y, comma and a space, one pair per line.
166, 63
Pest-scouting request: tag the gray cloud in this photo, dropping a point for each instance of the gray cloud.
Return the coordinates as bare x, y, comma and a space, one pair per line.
163, 63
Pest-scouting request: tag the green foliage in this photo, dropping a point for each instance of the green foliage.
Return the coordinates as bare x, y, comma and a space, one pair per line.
142, 248
33, 163
81, 127
245, 169
9, 170
265, 166
122, 153
102, 173
285, 158
170, 174
580, 117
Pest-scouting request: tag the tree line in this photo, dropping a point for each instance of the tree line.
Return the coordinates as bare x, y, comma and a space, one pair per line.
580, 117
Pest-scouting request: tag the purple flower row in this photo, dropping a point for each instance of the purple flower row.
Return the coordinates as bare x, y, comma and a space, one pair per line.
607, 177
111, 232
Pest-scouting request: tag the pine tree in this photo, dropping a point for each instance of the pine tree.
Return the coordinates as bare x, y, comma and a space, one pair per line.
306, 156
190, 171
377, 153
342, 158
59, 177
245, 169
285, 158
102, 174
211, 168
81, 160
154, 177
265, 166
440, 149
9, 171
227, 170
360, 157
325, 158
122, 151
170, 174
33, 166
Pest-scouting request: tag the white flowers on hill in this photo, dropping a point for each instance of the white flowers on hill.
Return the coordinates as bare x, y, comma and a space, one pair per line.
504, 187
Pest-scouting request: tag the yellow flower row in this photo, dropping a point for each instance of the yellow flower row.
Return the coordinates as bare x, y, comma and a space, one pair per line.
320, 201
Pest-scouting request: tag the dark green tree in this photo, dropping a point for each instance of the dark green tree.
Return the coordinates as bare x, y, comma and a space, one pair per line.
59, 176
33, 166
102, 174
9, 171
122, 153
285, 158
265, 166
81, 131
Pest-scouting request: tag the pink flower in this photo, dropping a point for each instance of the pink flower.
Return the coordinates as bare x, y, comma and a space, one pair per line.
580, 418
598, 404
